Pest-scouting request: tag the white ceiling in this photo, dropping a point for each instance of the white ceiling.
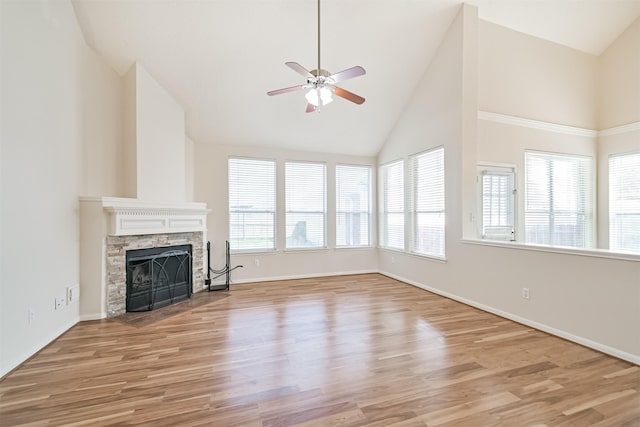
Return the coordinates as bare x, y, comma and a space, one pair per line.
218, 58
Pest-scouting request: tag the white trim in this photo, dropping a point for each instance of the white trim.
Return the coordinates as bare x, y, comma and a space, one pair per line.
536, 325
302, 276
4, 370
94, 316
130, 217
536, 124
597, 253
554, 127
631, 127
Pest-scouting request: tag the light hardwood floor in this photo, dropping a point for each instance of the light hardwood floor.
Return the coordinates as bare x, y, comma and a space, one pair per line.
339, 351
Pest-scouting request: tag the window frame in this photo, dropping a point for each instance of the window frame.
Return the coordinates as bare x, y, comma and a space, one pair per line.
486, 168
369, 169
274, 212
588, 199
383, 236
413, 201
324, 202
612, 204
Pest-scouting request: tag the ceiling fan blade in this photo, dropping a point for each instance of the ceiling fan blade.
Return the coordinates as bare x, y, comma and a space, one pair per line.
299, 69
310, 108
342, 93
285, 90
349, 73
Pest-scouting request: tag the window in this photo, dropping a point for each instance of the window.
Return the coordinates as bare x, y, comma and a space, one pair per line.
392, 205
353, 201
252, 204
558, 200
305, 196
497, 203
427, 203
624, 202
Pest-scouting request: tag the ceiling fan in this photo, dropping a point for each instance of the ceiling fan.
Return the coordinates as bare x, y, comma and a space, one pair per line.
320, 84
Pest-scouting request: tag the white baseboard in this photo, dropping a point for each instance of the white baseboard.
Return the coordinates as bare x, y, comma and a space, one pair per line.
4, 370
536, 325
92, 316
301, 276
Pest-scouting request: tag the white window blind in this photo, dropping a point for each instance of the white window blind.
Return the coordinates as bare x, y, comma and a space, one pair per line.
558, 200
252, 204
305, 196
497, 203
353, 201
427, 171
392, 205
624, 202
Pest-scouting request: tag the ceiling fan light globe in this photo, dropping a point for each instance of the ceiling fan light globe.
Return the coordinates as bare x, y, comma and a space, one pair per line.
313, 97
326, 95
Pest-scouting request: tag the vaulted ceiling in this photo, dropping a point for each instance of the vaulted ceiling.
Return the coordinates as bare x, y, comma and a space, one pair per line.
218, 58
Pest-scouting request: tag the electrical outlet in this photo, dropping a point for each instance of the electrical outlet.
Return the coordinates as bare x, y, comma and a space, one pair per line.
32, 315
257, 262
393, 260
59, 301
73, 294
525, 293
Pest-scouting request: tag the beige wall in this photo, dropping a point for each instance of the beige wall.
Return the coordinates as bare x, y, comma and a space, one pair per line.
160, 140
189, 168
608, 145
102, 137
528, 77
619, 106
506, 144
588, 299
211, 186
130, 134
54, 99
523, 76
620, 83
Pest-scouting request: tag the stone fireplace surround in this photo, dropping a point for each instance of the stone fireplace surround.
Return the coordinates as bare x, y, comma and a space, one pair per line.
110, 226
117, 246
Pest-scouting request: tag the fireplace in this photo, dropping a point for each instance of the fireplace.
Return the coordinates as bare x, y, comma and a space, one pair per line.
157, 277
111, 227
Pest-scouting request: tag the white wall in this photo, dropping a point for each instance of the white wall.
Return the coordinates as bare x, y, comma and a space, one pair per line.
211, 186
47, 114
592, 300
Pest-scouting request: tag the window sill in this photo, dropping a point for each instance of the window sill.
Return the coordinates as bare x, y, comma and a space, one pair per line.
434, 258
255, 252
595, 253
339, 248
441, 260
294, 250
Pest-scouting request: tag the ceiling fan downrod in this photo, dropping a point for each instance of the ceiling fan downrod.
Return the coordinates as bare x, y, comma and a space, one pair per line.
319, 37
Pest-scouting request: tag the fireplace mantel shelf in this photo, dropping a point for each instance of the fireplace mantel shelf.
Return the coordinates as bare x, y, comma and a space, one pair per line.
128, 217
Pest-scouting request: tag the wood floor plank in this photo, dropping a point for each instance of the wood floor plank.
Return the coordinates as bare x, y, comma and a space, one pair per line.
361, 350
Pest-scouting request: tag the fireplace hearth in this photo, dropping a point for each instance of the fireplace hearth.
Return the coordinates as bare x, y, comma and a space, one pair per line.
157, 277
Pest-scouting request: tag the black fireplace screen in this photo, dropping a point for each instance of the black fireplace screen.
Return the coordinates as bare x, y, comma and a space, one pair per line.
158, 277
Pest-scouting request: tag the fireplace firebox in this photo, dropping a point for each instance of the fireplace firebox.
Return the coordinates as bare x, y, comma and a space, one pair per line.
157, 277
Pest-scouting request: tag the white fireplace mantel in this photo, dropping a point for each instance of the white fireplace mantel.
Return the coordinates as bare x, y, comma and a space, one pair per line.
129, 217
